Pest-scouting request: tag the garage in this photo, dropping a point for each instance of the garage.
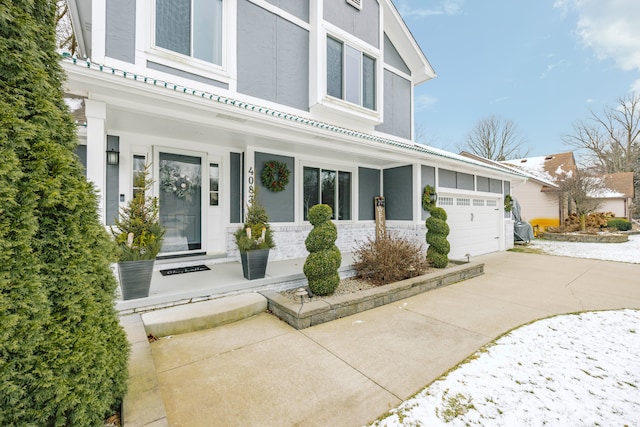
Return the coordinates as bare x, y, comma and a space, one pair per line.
475, 224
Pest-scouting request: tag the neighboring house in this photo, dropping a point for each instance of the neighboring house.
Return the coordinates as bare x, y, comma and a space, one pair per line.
542, 202
617, 194
208, 93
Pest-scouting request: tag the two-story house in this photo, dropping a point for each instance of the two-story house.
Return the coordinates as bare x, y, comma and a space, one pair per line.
210, 92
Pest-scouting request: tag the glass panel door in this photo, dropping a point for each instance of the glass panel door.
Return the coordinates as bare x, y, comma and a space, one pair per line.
180, 202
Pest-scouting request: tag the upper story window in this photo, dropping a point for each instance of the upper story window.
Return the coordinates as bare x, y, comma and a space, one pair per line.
190, 27
351, 74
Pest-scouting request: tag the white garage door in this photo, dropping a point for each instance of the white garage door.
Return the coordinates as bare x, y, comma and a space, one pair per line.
475, 224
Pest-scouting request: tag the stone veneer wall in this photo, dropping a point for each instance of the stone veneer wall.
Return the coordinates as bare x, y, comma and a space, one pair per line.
290, 239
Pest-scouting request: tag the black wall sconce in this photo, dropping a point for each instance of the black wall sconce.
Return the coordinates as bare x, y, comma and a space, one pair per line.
433, 197
113, 157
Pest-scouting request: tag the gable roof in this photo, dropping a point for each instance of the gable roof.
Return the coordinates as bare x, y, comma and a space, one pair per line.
550, 169
621, 183
396, 29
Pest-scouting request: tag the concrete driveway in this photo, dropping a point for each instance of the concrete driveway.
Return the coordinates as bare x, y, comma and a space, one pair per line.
262, 372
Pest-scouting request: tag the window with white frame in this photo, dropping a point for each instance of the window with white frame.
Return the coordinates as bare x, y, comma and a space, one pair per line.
139, 167
190, 27
351, 74
330, 187
214, 184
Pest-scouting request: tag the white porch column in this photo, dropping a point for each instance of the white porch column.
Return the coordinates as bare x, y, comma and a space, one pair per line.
96, 112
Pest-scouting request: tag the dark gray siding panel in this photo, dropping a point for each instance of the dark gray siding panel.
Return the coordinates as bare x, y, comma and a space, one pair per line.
446, 178
279, 205
235, 180
273, 57
112, 190
428, 177
191, 76
495, 186
364, 24
464, 181
120, 40
482, 183
397, 106
507, 187
398, 193
81, 152
298, 8
368, 189
393, 58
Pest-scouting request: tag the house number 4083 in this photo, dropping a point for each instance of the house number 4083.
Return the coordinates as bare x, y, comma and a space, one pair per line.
251, 182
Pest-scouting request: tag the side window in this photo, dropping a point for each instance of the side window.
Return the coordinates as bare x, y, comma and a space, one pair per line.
138, 174
214, 184
190, 27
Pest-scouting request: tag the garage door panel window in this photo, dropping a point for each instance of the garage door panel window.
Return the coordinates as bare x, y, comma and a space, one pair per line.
330, 187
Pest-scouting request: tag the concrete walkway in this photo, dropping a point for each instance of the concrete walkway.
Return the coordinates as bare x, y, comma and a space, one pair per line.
261, 372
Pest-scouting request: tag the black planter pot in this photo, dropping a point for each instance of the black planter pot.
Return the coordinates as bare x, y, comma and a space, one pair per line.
135, 278
254, 263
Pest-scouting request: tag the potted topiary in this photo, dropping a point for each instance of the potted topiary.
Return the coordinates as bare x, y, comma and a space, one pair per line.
254, 240
138, 234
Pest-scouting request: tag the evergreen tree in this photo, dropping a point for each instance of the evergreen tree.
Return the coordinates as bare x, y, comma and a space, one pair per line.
63, 354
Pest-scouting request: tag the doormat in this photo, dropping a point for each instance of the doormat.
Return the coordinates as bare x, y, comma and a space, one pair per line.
181, 270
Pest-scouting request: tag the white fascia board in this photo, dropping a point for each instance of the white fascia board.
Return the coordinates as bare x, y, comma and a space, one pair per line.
406, 44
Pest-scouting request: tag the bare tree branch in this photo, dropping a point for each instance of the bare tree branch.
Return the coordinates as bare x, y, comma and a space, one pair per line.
496, 139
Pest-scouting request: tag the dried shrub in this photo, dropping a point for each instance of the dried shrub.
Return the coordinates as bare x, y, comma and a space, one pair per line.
389, 259
592, 220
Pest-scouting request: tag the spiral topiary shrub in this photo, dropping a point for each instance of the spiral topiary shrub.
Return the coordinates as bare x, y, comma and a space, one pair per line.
321, 266
437, 232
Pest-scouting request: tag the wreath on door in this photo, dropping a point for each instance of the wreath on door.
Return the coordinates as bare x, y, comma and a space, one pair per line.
275, 175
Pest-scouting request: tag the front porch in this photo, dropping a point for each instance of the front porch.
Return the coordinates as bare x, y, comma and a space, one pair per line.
224, 278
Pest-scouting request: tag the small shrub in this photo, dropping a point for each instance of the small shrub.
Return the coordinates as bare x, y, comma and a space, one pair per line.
321, 266
592, 220
620, 224
388, 260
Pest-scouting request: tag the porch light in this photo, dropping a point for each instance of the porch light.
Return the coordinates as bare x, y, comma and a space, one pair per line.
113, 157
433, 197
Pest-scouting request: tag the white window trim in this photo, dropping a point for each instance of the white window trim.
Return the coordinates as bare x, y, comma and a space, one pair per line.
224, 73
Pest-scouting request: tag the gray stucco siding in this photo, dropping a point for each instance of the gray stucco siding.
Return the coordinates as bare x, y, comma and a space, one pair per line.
428, 177
298, 8
364, 24
120, 41
368, 189
273, 57
112, 205
190, 76
397, 106
398, 193
393, 58
279, 205
235, 182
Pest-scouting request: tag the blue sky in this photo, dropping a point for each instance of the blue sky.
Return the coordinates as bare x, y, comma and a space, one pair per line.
540, 63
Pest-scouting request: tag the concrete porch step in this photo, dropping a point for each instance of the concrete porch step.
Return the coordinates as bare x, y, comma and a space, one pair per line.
203, 315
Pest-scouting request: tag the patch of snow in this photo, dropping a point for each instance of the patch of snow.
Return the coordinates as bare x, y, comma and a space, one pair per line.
581, 369
623, 252
568, 369
534, 166
73, 103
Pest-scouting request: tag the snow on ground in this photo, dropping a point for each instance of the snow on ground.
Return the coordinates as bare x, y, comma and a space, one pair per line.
579, 369
624, 252
564, 370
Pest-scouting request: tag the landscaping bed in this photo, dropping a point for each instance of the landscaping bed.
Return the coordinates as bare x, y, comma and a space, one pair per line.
586, 237
318, 310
